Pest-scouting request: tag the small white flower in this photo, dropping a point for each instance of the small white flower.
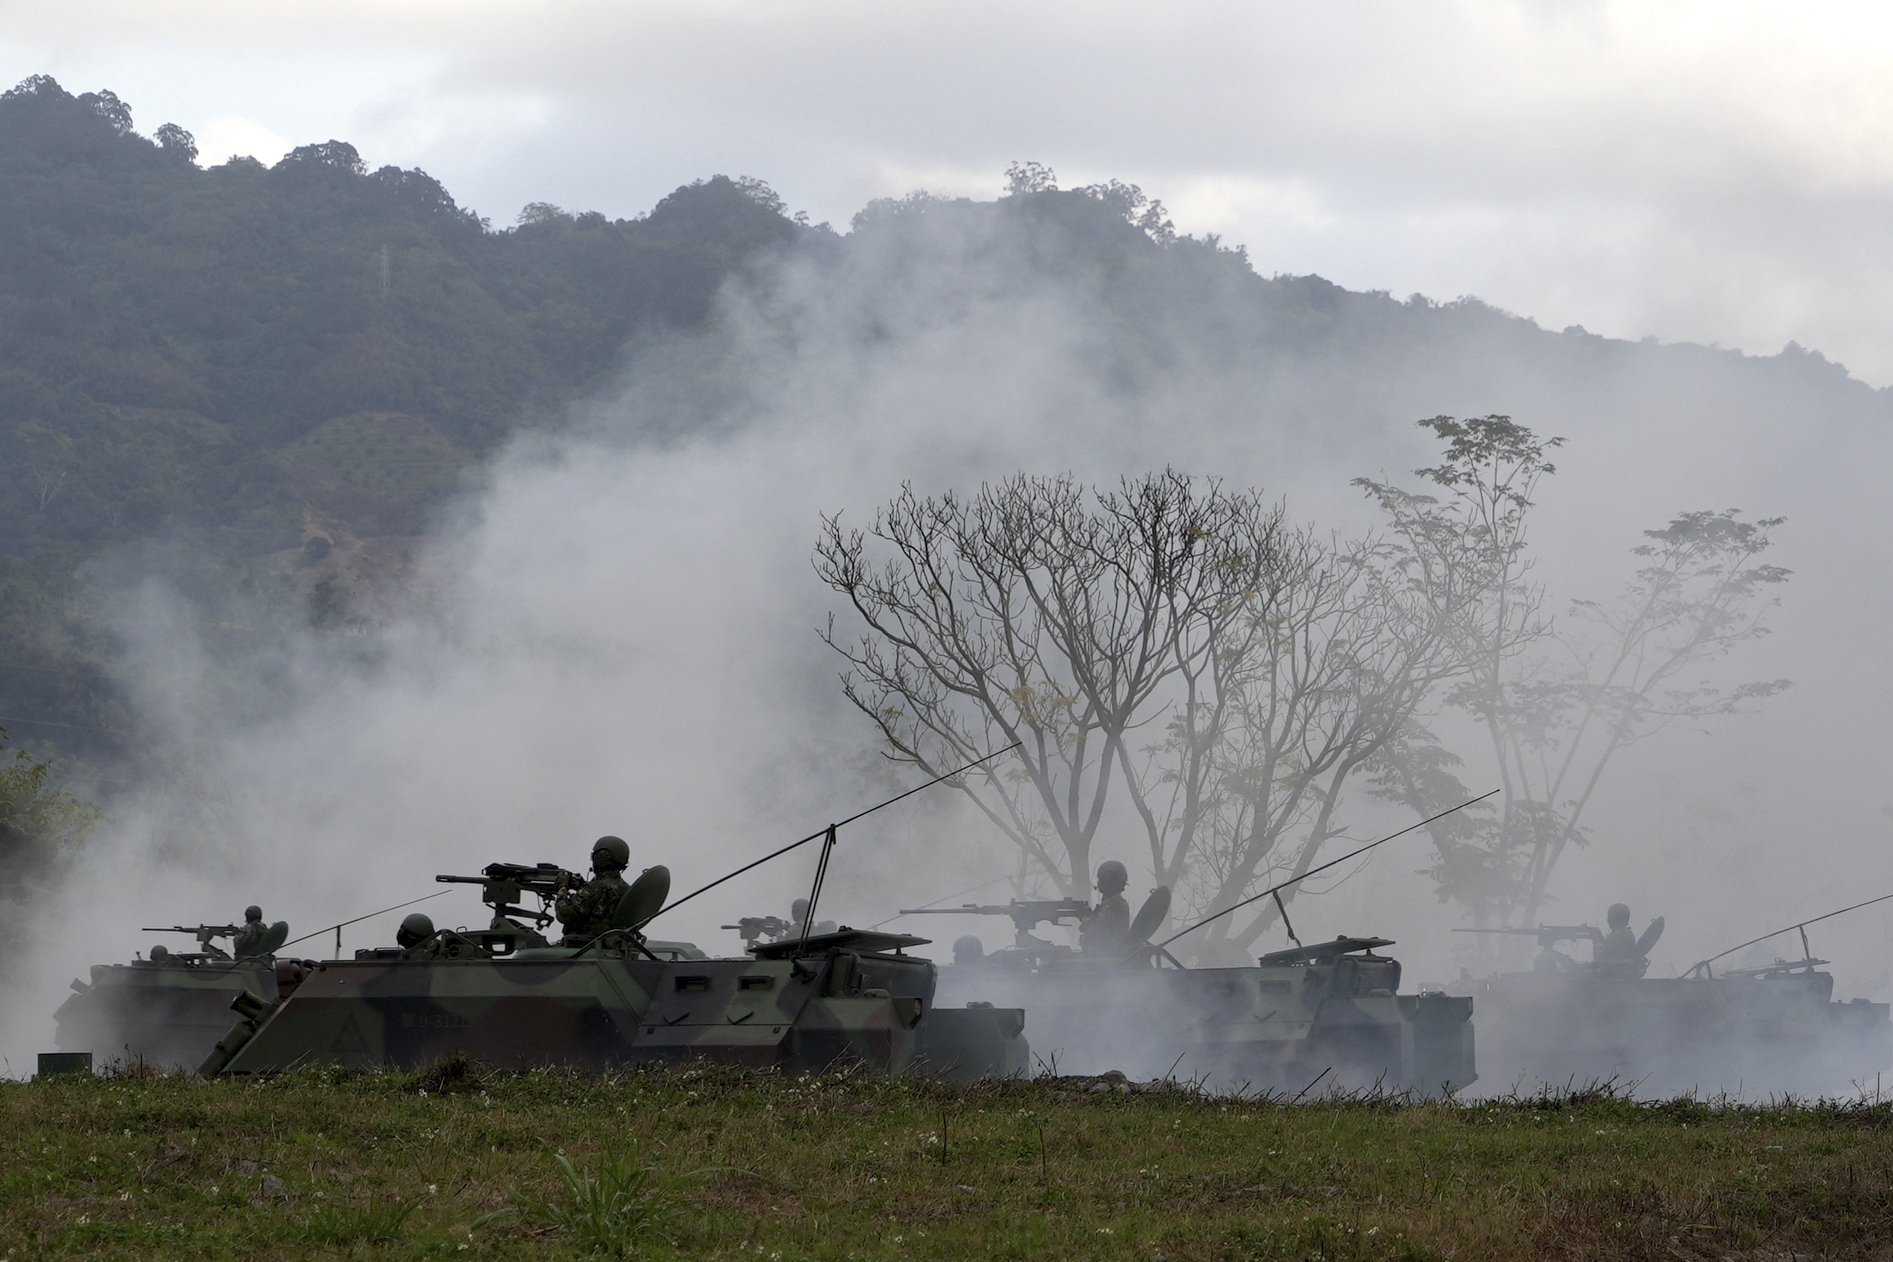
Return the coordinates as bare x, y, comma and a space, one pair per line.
433, 1189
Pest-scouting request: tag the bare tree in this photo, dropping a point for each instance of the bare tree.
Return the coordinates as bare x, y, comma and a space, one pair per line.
1041, 613
1170, 640
1358, 637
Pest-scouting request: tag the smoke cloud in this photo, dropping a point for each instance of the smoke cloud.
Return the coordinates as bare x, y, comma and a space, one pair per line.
619, 631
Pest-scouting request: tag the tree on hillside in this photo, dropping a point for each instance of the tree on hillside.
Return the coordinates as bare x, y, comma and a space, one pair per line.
1170, 641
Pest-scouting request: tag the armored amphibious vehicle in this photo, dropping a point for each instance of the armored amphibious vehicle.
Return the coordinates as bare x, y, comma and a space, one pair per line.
169, 1010
506, 997
1328, 1012
1760, 1031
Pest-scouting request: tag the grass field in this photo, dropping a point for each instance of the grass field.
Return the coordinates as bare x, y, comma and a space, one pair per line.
718, 1164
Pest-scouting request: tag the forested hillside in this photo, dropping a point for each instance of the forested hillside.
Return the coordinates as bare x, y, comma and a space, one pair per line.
242, 362
260, 382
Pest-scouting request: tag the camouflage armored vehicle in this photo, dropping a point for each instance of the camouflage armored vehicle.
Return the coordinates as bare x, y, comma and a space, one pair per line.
1329, 1012
1764, 1030
169, 1010
506, 996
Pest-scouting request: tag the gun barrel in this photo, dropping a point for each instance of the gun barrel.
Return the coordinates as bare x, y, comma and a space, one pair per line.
968, 909
190, 929
465, 880
1548, 935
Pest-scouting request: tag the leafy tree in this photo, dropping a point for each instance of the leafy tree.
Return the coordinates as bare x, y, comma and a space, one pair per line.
1023, 178
1556, 705
174, 139
40, 825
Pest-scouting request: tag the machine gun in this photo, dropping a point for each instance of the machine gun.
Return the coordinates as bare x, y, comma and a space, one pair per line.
756, 929
1026, 915
502, 884
206, 936
1624, 965
1549, 936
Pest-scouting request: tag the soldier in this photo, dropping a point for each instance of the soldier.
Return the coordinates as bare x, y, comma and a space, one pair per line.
968, 949
1618, 955
248, 940
586, 911
798, 915
416, 928
1109, 923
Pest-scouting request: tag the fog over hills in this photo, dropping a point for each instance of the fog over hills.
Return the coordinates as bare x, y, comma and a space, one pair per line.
380, 569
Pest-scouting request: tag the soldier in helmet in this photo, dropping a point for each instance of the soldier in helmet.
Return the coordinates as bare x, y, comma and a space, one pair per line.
968, 950
586, 911
416, 928
248, 940
1619, 955
1109, 924
798, 916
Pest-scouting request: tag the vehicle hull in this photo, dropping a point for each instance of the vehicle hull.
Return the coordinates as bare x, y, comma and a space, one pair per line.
1278, 1029
594, 1012
168, 1015
1756, 1036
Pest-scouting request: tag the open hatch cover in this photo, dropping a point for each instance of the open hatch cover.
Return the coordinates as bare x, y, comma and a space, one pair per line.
1322, 952
843, 938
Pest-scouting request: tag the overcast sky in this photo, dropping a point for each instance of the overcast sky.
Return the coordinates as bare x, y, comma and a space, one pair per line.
1717, 172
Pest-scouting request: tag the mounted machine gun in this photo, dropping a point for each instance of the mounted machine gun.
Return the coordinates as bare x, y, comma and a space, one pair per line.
1026, 915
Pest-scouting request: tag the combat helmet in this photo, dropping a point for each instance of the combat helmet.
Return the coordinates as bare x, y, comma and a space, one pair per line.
611, 854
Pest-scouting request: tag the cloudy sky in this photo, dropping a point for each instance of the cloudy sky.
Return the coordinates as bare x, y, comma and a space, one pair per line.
1715, 171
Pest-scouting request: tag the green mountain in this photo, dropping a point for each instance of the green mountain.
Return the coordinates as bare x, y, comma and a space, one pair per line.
260, 382
246, 361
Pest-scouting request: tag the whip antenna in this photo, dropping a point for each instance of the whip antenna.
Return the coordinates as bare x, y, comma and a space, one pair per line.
1276, 889
829, 833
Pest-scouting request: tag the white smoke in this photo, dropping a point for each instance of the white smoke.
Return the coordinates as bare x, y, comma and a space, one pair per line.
623, 637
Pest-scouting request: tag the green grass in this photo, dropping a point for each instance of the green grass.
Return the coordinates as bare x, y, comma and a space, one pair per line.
718, 1164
